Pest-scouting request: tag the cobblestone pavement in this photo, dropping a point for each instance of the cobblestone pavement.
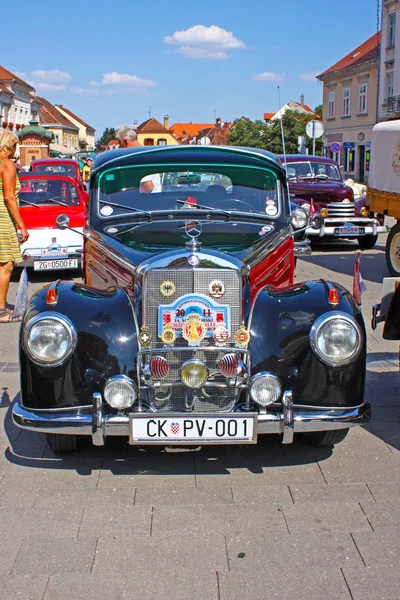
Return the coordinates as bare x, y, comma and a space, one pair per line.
258, 522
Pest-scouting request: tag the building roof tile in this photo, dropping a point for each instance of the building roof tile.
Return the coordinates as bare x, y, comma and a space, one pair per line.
50, 114
6, 75
74, 116
152, 126
366, 52
189, 129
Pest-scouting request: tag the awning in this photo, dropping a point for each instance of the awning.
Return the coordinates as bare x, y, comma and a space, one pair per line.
63, 150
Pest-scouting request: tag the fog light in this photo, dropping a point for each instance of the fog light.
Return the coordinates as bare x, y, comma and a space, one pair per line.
228, 365
265, 388
364, 211
158, 367
120, 392
324, 212
194, 374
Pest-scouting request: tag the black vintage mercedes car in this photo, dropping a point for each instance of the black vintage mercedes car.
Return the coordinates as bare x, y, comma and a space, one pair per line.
189, 328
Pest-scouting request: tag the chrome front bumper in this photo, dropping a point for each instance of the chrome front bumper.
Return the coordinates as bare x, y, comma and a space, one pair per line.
302, 248
370, 226
92, 421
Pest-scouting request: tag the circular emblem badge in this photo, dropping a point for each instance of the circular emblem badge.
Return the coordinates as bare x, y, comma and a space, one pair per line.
216, 288
193, 330
145, 337
221, 335
242, 336
168, 335
167, 288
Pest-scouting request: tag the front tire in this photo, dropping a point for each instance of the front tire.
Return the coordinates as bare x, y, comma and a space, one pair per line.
366, 242
62, 442
392, 251
326, 438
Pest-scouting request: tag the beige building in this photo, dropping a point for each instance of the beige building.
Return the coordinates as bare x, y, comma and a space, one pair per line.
86, 132
66, 134
152, 133
389, 80
350, 97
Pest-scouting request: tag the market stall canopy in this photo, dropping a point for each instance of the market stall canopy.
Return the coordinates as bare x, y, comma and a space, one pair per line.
62, 149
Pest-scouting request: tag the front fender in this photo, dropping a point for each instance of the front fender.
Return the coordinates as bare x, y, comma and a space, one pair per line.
280, 325
106, 346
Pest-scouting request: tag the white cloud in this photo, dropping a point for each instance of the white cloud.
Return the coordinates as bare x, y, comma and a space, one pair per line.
124, 79
267, 76
47, 81
204, 42
309, 76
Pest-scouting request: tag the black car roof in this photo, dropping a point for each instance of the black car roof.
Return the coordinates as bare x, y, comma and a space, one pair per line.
230, 154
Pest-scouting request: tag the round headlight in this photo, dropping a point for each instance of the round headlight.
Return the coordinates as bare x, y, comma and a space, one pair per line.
336, 338
50, 338
299, 218
265, 388
120, 392
194, 374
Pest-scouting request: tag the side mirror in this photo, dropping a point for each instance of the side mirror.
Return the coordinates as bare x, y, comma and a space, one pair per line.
62, 222
316, 221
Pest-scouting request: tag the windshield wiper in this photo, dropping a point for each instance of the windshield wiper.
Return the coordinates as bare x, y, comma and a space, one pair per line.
203, 207
136, 210
30, 203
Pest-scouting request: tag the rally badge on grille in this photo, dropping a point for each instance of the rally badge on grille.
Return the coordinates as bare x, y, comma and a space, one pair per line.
242, 336
168, 335
216, 288
194, 330
144, 337
221, 335
167, 288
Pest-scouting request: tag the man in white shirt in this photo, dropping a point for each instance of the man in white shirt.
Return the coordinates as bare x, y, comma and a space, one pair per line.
127, 138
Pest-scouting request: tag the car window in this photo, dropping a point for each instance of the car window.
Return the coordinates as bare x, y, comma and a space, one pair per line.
43, 191
230, 188
68, 170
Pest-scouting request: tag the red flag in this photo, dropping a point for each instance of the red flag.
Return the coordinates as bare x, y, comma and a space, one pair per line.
358, 282
312, 207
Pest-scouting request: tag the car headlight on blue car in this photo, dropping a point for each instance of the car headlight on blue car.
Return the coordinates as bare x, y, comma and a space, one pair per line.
336, 338
49, 339
299, 218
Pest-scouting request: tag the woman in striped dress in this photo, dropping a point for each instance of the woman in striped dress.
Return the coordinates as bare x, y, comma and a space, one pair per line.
10, 219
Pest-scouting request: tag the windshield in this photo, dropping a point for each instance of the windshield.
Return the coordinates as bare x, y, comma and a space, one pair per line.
68, 170
47, 191
169, 187
312, 169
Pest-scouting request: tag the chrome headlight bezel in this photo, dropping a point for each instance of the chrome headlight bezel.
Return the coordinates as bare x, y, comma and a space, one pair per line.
59, 318
265, 375
300, 213
315, 331
194, 363
127, 381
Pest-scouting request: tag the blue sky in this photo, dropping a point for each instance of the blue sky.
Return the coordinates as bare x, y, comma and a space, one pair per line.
184, 59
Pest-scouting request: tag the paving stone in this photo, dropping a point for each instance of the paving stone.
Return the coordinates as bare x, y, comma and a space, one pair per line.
12, 498
326, 517
182, 496
385, 491
334, 492
185, 552
45, 556
53, 520
380, 547
10, 545
195, 584
23, 587
265, 551
266, 495
200, 520
284, 584
115, 520
383, 513
40, 473
84, 498
372, 583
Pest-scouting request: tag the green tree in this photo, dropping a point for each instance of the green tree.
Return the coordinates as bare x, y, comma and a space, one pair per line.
108, 134
318, 111
247, 133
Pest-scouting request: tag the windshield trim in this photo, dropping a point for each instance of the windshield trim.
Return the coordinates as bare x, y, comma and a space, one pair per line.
310, 163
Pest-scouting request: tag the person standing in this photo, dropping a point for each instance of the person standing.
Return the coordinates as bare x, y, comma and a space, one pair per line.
10, 219
127, 138
86, 174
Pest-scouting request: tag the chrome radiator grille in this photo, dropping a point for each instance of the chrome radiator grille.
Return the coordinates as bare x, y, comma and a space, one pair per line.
188, 281
341, 209
172, 396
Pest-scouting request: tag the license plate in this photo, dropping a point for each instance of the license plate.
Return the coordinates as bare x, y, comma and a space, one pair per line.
347, 230
198, 429
51, 265
57, 252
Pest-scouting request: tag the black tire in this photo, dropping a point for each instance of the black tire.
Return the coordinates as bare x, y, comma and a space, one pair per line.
393, 249
366, 242
326, 438
62, 442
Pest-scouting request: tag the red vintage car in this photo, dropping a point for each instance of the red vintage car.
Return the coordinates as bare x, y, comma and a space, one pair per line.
60, 166
42, 199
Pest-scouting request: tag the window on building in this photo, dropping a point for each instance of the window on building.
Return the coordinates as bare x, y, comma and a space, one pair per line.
162, 142
331, 105
362, 98
392, 30
149, 142
389, 85
346, 102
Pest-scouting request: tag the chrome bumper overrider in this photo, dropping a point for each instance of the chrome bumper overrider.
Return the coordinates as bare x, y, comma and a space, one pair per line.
302, 248
92, 421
